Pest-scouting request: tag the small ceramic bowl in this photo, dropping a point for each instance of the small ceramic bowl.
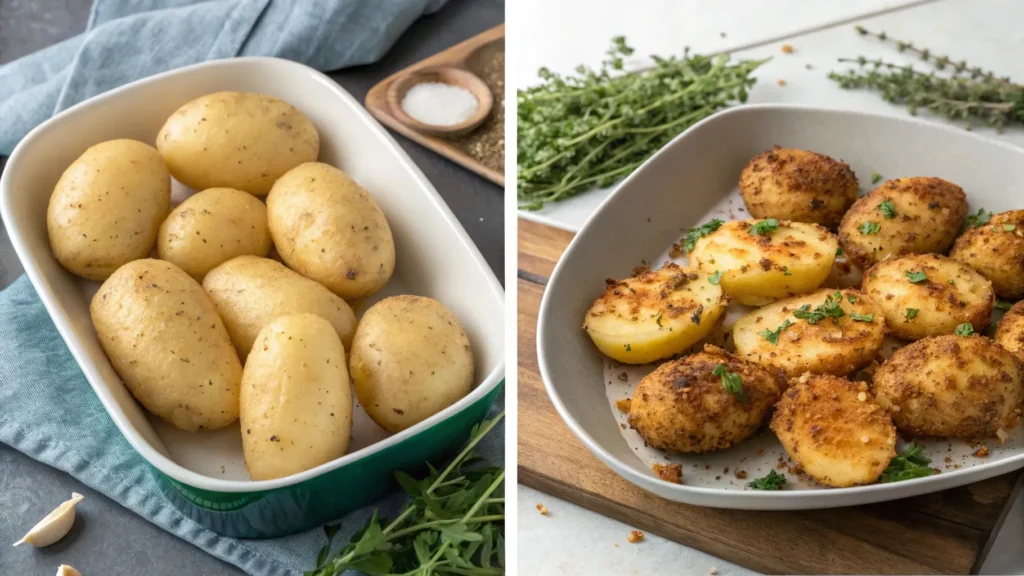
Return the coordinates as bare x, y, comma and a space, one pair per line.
453, 76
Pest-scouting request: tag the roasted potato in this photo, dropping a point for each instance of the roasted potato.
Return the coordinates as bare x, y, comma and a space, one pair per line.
996, 249
1010, 330
959, 386
928, 295
904, 216
654, 314
685, 405
835, 430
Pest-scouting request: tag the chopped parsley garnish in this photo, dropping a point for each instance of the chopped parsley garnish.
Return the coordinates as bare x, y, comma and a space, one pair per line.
888, 209
716, 277
911, 313
965, 329
839, 251
731, 382
875, 177
697, 232
869, 228
786, 272
764, 227
658, 319
773, 481
1009, 227
907, 465
1003, 304
979, 219
773, 336
851, 298
916, 277
862, 317
950, 282
830, 308
629, 348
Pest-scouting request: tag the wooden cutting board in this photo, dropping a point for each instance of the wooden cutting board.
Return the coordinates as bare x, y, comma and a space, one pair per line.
942, 533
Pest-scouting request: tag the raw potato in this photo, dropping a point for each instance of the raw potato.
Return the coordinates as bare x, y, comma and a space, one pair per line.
328, 228
758, 269
107, 207
654, 314
951, 294
213, 227
249, 292
798, 185
835, 430
683, 407
236, 140
1010, 330
410, 359
296, 402
837, 347
166, 341
996, 249
927, 214
964, 387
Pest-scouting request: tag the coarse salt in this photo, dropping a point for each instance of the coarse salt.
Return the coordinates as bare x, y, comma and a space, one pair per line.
439, 104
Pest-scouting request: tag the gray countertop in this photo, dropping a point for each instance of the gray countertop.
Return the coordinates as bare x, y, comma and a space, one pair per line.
109, 540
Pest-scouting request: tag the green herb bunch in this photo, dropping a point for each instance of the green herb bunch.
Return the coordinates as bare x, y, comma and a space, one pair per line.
909, 464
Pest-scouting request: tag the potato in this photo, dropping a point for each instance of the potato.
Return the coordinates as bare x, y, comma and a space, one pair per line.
837, 345
683, 405
107, 207
792, 258
834, 430
798, 185
249, 292
964, 387
236, 140
328, 228
654, 314
1010, 330
213, 227
925, 295
410, 359
166, 341
903, 216
296, 402
996, 250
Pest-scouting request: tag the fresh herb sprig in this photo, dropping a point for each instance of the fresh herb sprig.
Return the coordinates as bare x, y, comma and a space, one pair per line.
830, 308
772, 481
907, 465
697, 232
731, 381
772, 336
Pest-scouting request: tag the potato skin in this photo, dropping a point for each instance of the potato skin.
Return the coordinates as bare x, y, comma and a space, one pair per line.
941, 306
798, 185
964, 387
166, 341
929, 213
249, 292
107, 207
1010, 330
236, 140
296, 401
997, 253
328, 228
410, 359
212, 227
835, 430
683, 407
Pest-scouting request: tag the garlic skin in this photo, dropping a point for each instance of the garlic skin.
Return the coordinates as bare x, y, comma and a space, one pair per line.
66, 570
54, 526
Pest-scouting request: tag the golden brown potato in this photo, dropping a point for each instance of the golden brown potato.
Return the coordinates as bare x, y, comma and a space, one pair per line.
996, 249
904, 216
928, 295
798, 185
835, 430
959, 386
684, 406
1010, 330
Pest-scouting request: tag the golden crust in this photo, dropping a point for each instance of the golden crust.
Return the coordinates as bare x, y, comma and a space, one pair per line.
800, 185
996, 250
1010, 331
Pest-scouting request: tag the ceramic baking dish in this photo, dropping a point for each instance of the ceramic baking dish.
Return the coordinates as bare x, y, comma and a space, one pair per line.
694, 178
204, 472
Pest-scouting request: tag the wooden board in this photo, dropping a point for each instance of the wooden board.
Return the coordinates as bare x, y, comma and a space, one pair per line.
942, 533
458, 55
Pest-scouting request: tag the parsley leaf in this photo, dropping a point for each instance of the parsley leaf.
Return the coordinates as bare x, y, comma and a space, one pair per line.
907, 465
851, 298
786, 272
888, 209
979, 219
862, 317
965, 329
773, 336
731, 382
916, 277
911, 313
697, 232
830, 308
629, 348
869, 228
1009, 227
715, 278
773, 481
839, 251
1003, 304
875, 177
764, 227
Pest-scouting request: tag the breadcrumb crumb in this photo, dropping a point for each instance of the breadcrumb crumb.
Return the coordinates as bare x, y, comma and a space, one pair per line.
787, 49
981, 452
713, 571
635, 536
669, 472
542, 509
623, 405
780, 82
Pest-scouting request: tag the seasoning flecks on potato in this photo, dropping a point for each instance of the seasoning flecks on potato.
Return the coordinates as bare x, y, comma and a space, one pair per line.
996, 250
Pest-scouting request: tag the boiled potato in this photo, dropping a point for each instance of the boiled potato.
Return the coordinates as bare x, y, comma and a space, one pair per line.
903, 216
835, 430
410, 359
296, 401
213, 227
798, 185
236, 140
249, 292
327, 227
964, 387
925, 295
787, 259
107, 207
166, 341
683, 406
654, 314
1010, 330
782, 335
996, 249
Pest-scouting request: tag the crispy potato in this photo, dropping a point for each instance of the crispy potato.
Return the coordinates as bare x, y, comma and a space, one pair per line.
964, 387
950, 294
996, 250
758, 269
912, 216
654, 314
1010, 330
798, 185
835, 430
684, 407
837, 346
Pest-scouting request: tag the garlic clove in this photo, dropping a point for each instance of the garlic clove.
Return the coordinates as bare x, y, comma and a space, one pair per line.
66, 570
55, 526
